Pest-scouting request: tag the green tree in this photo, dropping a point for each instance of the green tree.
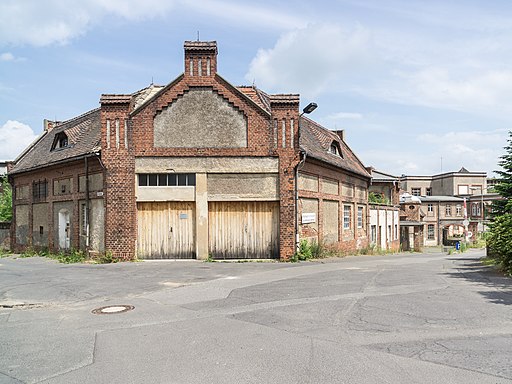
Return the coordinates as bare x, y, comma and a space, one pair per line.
499, 240
504, 185
6, 201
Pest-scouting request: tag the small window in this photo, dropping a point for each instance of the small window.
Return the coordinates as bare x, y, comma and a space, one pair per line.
431, 232
448, 210
335, 149
143, 180
40, 190
458, 210
347, 212
429, 191
359, 217
60, 141
182, 179
430, 207
416, 191
166, 179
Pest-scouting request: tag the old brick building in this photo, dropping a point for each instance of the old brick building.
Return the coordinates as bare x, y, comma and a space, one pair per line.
192, 169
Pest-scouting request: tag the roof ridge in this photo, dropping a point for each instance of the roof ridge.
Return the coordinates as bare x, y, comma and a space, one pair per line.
79, 117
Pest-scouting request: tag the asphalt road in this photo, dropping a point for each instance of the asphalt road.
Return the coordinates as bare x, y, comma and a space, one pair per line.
408, 318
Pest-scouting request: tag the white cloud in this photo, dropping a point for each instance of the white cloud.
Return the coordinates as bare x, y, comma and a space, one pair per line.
41, 23
308, 60
14, 138
487, 91
6, 56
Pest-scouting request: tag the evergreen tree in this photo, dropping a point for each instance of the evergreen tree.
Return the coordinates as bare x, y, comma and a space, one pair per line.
499, 241
504, 185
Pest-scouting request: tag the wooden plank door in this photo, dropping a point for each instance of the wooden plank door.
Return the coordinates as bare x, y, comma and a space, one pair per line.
166, 230
243, 230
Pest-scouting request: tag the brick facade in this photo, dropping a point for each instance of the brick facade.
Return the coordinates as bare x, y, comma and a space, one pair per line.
126, 135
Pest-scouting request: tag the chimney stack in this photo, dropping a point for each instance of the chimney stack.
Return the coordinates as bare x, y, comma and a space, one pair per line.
200, 58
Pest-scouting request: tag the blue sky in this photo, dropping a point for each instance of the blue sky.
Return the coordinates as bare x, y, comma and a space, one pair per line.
420, 87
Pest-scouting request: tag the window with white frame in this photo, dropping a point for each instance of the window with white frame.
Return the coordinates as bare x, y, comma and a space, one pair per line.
458, 210
430, 207
429, 191
416, 191
431, 235
448, 210
347, 213
463, 189
359, 217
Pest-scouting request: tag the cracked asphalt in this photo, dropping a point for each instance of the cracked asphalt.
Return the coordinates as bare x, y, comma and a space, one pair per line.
407, 318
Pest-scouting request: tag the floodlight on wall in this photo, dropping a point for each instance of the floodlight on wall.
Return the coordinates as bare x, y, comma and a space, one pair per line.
309, 108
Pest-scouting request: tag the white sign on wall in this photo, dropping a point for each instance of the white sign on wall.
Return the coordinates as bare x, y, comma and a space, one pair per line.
308, 218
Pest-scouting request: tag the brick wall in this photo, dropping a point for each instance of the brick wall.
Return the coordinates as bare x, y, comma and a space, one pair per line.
348, 240
117, 155
72, 170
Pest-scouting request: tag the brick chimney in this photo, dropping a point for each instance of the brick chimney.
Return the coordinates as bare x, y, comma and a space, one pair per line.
48, 125
200, 58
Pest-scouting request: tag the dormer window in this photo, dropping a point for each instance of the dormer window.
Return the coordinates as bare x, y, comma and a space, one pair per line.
60, 141
335, 149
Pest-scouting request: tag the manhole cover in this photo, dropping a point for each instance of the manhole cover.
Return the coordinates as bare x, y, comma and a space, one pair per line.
112, 309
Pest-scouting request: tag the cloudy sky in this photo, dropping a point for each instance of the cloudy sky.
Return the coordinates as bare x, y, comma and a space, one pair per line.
420, 87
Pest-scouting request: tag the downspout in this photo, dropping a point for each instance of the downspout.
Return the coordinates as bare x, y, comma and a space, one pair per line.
87, 206
301, 163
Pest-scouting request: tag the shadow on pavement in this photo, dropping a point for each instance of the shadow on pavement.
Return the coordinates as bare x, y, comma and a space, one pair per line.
499, 287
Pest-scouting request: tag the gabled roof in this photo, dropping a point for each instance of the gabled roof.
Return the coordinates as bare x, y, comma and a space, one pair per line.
84, 135
261, 98
316, 141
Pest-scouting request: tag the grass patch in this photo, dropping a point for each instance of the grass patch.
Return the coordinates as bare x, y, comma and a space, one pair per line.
72, 256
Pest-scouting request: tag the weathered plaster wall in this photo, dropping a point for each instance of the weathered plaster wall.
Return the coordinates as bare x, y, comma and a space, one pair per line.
184, 193
22, 230
330, 221
40, 225
232, 187
206, 164
308, 182
200, 118
330, 186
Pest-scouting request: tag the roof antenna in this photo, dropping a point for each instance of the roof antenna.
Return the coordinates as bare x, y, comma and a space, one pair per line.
197, 35
152, 80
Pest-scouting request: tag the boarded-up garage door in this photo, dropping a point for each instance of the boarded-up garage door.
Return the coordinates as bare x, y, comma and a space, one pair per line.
244, 230
166, 230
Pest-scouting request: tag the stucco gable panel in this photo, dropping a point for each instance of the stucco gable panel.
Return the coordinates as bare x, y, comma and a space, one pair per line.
201, 118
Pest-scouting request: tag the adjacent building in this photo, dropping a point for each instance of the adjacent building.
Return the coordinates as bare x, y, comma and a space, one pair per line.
194, 169
451, 204
384, 210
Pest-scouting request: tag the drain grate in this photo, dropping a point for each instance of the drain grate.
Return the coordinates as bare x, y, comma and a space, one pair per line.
112, 309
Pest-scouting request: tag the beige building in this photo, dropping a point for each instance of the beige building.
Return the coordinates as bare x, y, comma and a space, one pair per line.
451, 204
